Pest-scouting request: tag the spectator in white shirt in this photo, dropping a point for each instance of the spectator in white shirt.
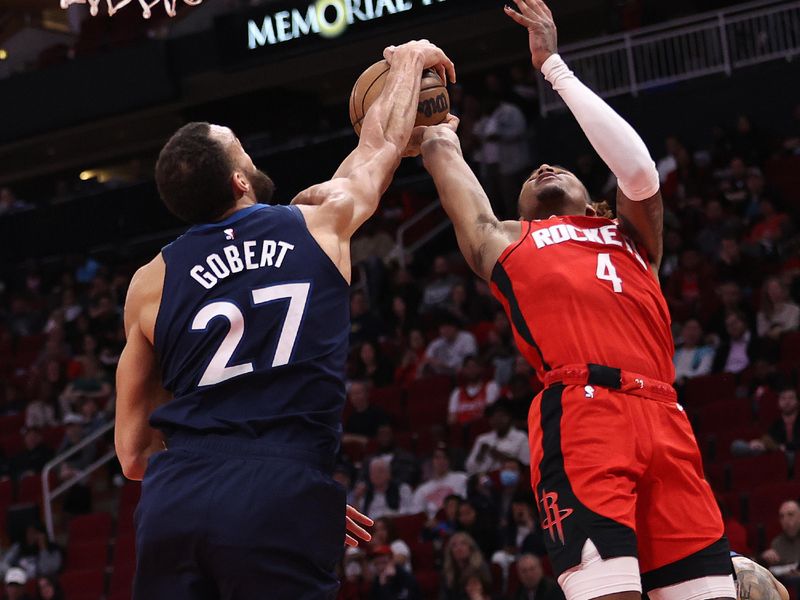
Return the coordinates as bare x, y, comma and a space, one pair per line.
778, 314
446, 353
504, 156
382, 497
430, 496
503, 443
692, 358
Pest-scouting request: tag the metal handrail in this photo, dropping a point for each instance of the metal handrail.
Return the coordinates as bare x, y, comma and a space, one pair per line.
401, 232
49, 495
686, 48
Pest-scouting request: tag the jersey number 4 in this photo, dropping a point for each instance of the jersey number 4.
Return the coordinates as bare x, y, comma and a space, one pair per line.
218, 369
607, 272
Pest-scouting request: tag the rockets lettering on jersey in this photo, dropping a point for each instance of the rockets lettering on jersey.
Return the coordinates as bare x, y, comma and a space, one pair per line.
608, 235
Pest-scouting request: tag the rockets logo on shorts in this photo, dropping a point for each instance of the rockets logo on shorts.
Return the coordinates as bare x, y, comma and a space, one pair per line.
553, 515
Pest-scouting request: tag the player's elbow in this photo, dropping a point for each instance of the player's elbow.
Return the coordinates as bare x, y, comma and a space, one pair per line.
133, 465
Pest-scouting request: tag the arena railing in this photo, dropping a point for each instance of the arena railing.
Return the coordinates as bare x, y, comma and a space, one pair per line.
48, 494
689, 48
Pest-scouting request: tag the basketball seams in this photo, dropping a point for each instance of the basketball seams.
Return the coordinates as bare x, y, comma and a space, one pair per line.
366, 92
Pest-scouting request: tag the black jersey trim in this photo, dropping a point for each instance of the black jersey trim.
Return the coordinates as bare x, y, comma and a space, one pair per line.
503, 283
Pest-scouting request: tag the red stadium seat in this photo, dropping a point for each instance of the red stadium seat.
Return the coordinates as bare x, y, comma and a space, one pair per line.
436, 386
725, 415
391, 400
125, 551
354, 450
84, 556
428, 583
423, 555
29, 489
92, 527
129, 497
6, 493
763, 502
710, 388
751, 472
122, 579
497, 579
790, 348
53, 436
12, 444
11, 423
409, 527
513, 580
86, 583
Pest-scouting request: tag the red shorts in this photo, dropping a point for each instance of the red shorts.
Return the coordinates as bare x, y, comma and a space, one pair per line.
614, 460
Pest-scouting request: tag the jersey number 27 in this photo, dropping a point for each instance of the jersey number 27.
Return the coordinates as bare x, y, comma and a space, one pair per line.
218, 369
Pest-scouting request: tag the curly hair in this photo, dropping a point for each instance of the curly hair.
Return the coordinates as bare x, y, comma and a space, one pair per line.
602, 209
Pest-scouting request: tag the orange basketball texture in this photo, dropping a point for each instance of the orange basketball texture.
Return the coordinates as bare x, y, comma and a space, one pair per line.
434, 101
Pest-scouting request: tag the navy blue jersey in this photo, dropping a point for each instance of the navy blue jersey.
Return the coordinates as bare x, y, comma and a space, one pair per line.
252, 332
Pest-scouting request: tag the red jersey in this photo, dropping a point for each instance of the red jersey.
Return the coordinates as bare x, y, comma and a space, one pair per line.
577, 290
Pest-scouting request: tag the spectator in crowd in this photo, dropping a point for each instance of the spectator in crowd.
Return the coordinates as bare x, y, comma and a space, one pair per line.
785, 547
413, 359
692, 358
77, 499
35, 555
436, 293
371, 366
469, 400
533, 584
778, 314
476, 588
430, 496
709, 238
770, 227
381, 496
401, 320
688, 285
15, 580
373, 249
513, 480
734, 353
462, 558
478, 523
365, 419
784, 433
445, 522
504, 155
365, 325
504, 442
35, 455
404, 465
445, 355
40, 411
521, 534
356, 581
519, 394
391, 582
730, 298
49, 588
384, 533
734, 186
90, 384
93, 417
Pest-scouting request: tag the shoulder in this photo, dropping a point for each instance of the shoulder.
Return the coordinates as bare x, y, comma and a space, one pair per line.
147, 283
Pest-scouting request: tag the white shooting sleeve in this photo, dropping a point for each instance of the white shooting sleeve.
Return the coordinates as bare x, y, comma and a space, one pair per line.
612, 137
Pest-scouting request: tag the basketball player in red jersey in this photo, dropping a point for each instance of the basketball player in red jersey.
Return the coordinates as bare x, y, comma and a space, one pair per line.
616, 470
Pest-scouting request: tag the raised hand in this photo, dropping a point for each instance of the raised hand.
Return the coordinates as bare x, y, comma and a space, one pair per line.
542, 34
353, 517
433, 56
421, 134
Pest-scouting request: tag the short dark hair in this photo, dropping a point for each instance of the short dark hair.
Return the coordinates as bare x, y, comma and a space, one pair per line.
193, 175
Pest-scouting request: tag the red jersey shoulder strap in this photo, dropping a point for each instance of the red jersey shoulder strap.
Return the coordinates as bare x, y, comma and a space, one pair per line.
526, 230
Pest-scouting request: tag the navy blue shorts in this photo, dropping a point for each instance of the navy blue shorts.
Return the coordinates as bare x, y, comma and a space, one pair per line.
231, 519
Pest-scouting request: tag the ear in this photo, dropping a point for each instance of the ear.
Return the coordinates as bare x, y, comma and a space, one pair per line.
590, 211
240, 184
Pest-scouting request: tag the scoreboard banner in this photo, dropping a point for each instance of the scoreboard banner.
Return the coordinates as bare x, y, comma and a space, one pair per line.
308, 25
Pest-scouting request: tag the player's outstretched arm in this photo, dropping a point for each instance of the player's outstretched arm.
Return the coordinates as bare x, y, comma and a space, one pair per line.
639, 204
481, 236
352, 196
139, 390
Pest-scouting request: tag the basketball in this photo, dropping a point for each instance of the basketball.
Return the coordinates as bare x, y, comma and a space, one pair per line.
434, 101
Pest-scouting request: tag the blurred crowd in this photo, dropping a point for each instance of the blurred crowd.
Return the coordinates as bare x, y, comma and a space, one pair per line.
435, 444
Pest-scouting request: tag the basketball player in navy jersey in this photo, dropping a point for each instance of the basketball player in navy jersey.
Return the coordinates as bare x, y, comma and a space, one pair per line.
230, 389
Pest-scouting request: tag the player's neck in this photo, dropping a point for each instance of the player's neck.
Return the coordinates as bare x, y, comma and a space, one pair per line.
241, 203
